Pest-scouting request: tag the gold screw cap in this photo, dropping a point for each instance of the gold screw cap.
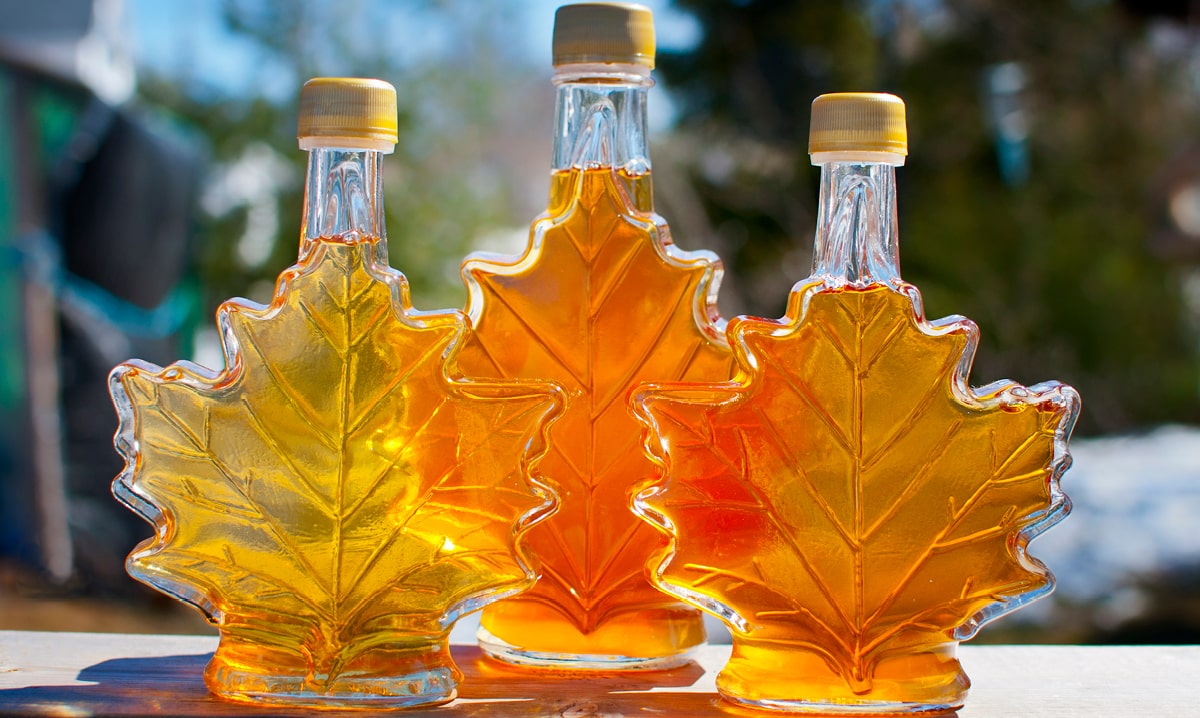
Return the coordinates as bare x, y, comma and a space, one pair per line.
604, 32
341, 109
858, 122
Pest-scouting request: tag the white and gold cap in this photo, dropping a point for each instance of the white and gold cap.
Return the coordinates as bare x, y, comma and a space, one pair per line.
604, 32
858, 122
347, 112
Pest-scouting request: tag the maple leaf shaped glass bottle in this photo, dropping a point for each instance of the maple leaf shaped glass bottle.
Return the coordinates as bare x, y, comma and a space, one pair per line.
337, 495
848, 504
599, 302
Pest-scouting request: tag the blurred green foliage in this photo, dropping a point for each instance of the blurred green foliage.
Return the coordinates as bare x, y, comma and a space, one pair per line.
444, 183
1057, 270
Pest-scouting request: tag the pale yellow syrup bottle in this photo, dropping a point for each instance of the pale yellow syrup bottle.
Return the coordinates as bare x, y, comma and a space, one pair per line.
599, 302
336, 495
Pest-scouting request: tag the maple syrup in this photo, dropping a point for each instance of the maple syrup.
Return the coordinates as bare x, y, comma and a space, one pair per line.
599, 302
847, 503
336, 495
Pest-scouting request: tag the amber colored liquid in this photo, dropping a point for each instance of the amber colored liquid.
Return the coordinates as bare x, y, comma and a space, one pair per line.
846, 500
598, 304
331, 497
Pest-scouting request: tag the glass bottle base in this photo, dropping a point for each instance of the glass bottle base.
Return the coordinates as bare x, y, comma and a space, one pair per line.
794, 679
532, 633
501, 650
849, 709
390, 679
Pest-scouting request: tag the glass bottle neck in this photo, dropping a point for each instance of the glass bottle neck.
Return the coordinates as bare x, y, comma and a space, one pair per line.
600, 117
343, 196
858, 241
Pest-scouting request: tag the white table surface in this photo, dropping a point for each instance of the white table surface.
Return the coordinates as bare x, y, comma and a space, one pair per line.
84, 674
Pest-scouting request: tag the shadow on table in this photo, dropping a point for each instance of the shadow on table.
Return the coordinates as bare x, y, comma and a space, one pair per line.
174, 685
140, 686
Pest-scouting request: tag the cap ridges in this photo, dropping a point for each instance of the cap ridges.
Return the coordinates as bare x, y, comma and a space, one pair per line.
604, 32
858, 121
347, 107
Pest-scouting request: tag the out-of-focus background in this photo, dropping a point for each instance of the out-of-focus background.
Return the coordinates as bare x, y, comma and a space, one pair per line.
149, 170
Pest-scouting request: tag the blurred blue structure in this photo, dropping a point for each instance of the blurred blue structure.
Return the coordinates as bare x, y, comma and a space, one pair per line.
95, 212
1008, 117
